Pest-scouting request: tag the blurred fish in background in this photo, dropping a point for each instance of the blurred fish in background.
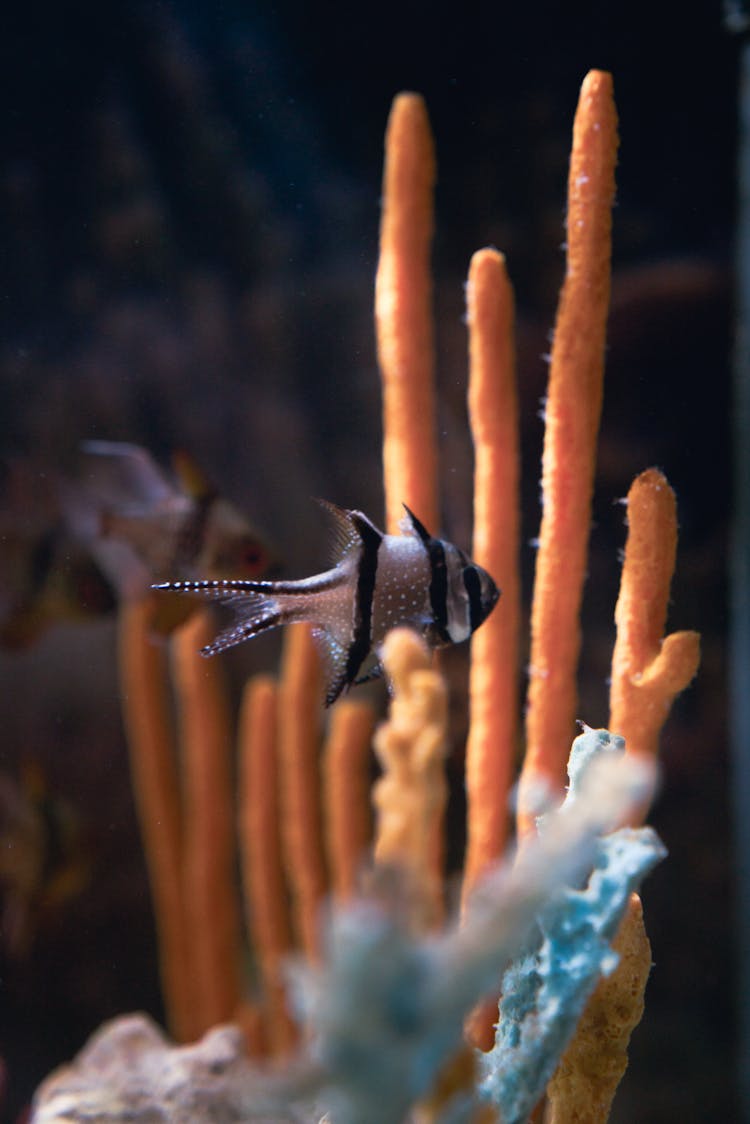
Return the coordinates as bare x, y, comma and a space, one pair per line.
46, 576
71, 547
44, 859
143, 526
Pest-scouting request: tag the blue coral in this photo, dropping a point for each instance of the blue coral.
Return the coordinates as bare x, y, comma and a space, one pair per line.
545, 990
387, 1007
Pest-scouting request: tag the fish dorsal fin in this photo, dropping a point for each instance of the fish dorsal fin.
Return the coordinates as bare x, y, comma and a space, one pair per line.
413, 526
133, 477
191, 477
349, 529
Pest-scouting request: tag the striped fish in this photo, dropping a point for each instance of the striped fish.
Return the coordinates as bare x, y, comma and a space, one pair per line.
378, 583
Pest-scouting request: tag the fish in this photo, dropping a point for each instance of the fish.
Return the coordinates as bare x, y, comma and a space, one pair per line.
377, 583
45, 857
143, 526
46, 575
61, 583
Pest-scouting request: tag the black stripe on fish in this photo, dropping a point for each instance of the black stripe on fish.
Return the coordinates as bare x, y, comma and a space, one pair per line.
362, 623
438, 577
193, 531
473, 588
439, 588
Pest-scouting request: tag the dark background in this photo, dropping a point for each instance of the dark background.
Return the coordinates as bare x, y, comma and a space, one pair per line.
188, 220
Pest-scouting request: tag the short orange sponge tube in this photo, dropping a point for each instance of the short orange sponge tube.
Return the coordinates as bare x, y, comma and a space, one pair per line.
648, 670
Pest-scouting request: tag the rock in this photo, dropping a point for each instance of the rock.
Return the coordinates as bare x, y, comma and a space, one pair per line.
129, 1071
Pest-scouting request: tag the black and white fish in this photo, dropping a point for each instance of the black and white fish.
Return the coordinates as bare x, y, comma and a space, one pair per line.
378, 583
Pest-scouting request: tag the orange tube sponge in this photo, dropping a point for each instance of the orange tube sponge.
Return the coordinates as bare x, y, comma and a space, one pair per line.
403, 317
150, 737
572, 420
410, 796
648, 671
301, 816
493, 687
264, 887
347, 792
212, 914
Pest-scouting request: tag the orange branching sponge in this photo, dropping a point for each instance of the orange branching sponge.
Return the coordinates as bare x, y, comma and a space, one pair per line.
410, 796
211, 909
150, 736
584, 1083
301, 815
346, 790
493, 414
572, 420
403, 291
264, 887
647, 670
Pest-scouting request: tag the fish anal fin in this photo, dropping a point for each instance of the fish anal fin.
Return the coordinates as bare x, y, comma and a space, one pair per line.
333, 660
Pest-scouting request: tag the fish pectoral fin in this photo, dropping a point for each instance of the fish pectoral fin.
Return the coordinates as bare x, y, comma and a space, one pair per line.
333, 658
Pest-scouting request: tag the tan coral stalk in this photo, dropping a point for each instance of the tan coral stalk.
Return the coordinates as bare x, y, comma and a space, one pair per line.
647, 673
301, 816
647, 670
493, 414
403, 291
410, 796
572, 421
347, 792
264, 889
584, 1084
150, 737
212, 914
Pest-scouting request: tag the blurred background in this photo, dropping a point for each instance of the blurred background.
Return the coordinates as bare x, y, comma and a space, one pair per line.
189, 205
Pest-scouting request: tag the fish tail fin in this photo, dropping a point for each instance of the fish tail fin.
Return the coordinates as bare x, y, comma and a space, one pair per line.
217, 589
243, 630
254, 604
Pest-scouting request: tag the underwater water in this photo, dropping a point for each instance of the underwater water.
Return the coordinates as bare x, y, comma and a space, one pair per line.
189, 232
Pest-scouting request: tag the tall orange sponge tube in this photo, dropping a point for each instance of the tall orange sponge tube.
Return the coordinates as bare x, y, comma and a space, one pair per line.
572, 413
